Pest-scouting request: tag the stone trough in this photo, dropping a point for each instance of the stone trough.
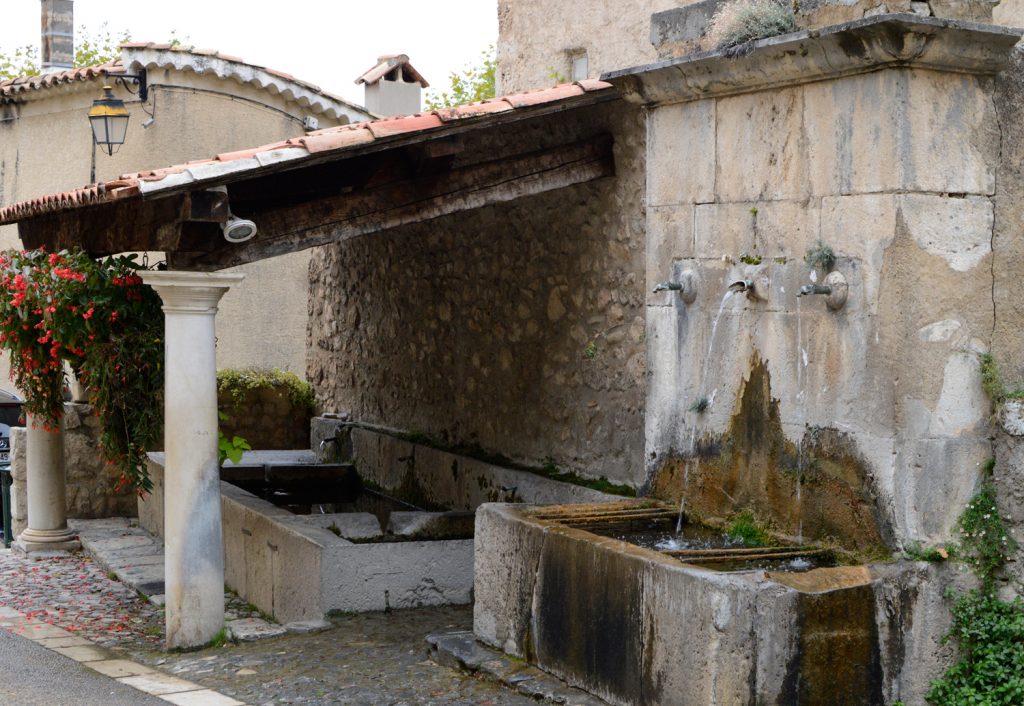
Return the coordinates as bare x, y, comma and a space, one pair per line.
638, 626
300, 567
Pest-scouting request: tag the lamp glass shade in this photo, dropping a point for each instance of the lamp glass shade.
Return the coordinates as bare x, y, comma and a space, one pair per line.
109, 119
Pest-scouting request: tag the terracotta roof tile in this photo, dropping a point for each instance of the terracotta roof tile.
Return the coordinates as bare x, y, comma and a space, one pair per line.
546, 95
329, 139
593, 84
472, 110
337, 140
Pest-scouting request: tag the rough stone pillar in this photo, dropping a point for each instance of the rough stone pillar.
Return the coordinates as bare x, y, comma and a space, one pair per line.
47, 514
193, 545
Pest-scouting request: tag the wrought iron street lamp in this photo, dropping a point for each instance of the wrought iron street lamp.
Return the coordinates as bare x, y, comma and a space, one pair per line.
109, 119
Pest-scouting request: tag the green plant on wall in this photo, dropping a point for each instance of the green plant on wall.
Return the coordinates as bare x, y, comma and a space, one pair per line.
988, 630
233, 384
740, 22
821, 256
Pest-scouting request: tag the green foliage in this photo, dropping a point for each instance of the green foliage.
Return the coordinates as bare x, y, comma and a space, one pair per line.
100, 48
821, 256
231, 449
590, 351
220, 639
742, 21
233, 384
23, 61
986, 543
700, 405
474, 83
98, 318
751, 259
992, 382
988, 631
917, 552
990, 671
745, 527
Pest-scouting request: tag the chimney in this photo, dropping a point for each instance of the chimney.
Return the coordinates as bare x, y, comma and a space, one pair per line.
58, 25
393, 86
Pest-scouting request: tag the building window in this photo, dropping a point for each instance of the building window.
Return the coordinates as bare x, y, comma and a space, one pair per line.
579, 65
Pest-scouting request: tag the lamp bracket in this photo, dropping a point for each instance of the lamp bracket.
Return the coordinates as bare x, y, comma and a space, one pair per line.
139, 79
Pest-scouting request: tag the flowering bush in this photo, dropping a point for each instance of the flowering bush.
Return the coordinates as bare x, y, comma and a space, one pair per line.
97, 316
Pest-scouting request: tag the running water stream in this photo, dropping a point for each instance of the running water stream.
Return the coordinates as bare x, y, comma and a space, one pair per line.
801, 400
690, 456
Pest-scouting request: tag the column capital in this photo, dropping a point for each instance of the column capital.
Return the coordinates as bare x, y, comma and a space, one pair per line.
190, 292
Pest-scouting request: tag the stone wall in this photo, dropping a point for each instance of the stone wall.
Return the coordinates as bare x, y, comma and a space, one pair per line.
536, 38
515, 329
879, 401
266, 418
91, 482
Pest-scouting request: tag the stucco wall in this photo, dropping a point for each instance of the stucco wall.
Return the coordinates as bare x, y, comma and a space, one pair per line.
536, 38
46, 146
515, 328
895, 170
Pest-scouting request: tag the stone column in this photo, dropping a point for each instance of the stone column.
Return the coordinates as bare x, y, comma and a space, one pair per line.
45, 488
193, 546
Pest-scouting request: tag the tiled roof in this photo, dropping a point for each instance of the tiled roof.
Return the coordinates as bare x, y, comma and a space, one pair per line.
12, 87
294, 151
148, 55
386, 64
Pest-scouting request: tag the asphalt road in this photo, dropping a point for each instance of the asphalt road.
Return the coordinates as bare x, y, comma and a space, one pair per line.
31, 675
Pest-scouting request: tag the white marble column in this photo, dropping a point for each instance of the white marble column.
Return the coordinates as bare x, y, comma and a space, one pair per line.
193, 546
45, 488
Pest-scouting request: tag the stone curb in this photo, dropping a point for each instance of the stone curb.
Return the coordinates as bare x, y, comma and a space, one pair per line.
460, 650
110, 664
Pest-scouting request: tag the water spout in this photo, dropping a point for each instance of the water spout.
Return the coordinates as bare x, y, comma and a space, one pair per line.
741, 285
668, 286
814, 289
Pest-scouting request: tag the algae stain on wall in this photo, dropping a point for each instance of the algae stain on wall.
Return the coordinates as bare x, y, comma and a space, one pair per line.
753, 465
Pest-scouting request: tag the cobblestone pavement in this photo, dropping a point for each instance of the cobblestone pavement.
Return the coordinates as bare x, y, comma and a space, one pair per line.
72, 592
373, 658
369, 659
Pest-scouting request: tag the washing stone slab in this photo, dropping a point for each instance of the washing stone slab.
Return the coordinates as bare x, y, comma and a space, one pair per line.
252, 629
131, 553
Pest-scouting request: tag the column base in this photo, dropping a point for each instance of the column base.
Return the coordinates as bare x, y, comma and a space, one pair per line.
46, 542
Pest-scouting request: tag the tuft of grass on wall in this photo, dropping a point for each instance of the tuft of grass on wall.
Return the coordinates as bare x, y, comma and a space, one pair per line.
743, 21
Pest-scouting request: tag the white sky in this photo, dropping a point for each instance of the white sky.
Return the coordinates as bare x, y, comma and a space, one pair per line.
326, 42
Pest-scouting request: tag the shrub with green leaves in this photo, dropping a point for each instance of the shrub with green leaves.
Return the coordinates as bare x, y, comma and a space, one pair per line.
988, 631
990, 671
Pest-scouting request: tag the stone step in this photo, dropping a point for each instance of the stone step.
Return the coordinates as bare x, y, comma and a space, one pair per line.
460, 650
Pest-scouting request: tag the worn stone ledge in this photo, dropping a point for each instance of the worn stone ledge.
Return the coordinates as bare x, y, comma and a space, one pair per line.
883, 41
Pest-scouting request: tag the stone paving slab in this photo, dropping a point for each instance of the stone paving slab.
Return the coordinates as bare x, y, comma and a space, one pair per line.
128, 551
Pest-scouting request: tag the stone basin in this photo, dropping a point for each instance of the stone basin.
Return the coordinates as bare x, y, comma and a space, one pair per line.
635, 626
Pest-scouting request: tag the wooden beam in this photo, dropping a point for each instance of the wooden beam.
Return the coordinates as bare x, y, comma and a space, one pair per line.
382, 207
111, 228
